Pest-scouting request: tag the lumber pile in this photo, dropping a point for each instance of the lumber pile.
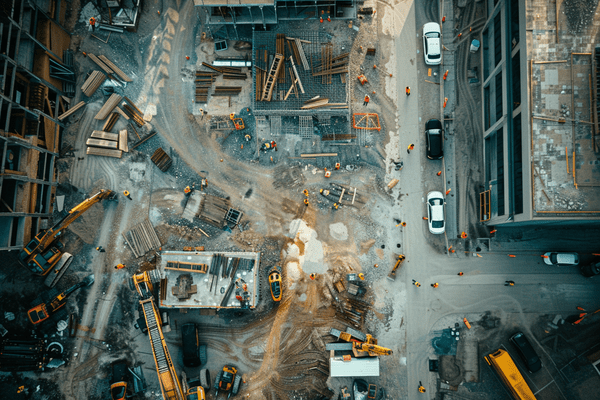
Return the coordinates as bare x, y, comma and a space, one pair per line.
329, 65
92, 83
111, 121
107, 108
71, 110
116, 69
106, 144
227, 72
134, 113
280, 49
97, 151
213, 210
317, 102
227, 90
103, 66
105, 135
142, 238
204, 81
123, 145
161, 159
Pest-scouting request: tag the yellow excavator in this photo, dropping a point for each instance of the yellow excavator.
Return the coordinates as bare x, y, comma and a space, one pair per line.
167, 376
43, 252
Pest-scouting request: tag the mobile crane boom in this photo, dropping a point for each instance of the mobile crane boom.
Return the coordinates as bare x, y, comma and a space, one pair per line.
41, 255
167, 376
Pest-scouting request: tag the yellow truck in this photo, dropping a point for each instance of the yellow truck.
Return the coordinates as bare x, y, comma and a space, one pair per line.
510, 375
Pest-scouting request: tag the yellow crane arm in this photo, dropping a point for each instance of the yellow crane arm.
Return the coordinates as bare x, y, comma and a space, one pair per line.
167, 376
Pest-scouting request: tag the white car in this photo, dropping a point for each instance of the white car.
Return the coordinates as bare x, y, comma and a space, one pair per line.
435, 213
432, 43
561, 259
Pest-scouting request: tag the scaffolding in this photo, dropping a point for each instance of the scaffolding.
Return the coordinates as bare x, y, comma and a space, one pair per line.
308, 87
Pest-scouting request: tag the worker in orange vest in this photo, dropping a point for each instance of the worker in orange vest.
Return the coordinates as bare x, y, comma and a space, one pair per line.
367, 98
93, 23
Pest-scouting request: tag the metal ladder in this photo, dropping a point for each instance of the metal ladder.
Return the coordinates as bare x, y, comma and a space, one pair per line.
155, 339
273, 72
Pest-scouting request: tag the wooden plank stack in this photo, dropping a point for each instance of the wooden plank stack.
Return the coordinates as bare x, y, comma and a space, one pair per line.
71, 110
213, 210
97, 151
142, 238
227, 90
104, 144
111, 121
123, 146
92, 83
105, 135
280, 49
161, 159
112, 66
204, 81
330, 65
107, 108
134, 113
99, 63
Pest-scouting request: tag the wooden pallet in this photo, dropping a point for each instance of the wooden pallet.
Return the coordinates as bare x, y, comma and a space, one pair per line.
92, 83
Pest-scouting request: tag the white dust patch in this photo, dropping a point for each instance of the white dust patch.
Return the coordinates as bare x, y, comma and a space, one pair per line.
392, 149
394, 17
293, 273
312, 259
391, 89
338, 231
302, 297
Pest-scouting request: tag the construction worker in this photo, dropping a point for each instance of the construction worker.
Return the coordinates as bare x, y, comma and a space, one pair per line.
187, 190
100, 249
434, 285
337, 165
509, 283
126, 193
421, 388
305, 191
93, 23
463, 235
361, 276
408, 90
410, 147
203, 183
313, 276
417, 284
327, 174
265, 147
273, 145
119, 266
367, 98
460, 274
248, 137
336, 206
306, 202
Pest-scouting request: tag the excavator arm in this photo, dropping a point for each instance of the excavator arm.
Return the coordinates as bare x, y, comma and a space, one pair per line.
43, 241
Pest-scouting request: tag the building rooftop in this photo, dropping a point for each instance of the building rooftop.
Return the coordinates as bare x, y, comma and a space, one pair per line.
188, 281
564, 127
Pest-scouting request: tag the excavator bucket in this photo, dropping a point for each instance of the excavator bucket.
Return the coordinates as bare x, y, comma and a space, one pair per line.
88, 280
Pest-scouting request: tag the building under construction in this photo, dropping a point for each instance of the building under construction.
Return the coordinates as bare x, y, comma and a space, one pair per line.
208, 280
236, 19
36, 81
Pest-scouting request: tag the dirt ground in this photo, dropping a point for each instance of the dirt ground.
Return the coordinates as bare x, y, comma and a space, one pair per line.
279, 347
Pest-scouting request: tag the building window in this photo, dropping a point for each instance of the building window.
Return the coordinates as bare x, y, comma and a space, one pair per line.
516, 80
498, 96
500, 170
497, 39
486, 107
517, 165
514, 23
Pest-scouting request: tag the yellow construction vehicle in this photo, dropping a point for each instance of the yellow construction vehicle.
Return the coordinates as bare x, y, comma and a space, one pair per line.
237, 122
228, 380
42, 253
167, 376
369, 348
392, 275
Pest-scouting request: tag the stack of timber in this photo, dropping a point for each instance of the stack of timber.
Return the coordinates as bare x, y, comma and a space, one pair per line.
111, 121
330, 65
92, 83
227, 90
142, 238
318, 102
162, 160
213, 210
123, 145
107, 108
71, 110
116, 69
280, 49
104, 144
204, 81
103, 66
133, 112
295, 47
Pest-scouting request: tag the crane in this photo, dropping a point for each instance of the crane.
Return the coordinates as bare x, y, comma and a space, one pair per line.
42, 253
167, 376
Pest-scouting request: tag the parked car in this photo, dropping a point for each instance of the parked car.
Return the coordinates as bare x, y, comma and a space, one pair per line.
434, 136
590, 270
526, 352
432, 43
435, 213
194, 354
561, 259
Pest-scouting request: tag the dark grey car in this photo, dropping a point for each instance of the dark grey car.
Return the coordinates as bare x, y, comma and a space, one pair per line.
434, 135
526, 352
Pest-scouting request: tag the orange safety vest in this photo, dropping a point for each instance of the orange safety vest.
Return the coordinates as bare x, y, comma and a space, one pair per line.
92, 21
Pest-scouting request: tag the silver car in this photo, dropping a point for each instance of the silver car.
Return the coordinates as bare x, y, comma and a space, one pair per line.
435, 213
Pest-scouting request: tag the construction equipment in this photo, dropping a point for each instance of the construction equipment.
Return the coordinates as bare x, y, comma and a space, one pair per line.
275, 284
363, 344
170, 385
42, 253
362, 79
118, 386
392, 275
237, 122
195, 393
48, 304
228, 381
269, 146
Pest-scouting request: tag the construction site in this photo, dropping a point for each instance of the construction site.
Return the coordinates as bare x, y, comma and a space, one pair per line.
213, 199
